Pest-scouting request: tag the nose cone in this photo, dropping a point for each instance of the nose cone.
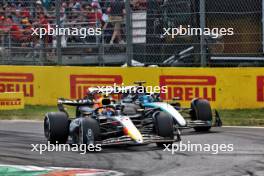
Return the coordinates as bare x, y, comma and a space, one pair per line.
131, 130
136, 135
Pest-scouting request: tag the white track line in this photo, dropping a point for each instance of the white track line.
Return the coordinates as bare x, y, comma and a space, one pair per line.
243, 127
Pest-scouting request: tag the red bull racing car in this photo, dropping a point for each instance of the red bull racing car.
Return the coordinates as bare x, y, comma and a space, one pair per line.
138, 118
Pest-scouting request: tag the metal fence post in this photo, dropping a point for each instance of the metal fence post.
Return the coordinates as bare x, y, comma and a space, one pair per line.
202, 38
129, 47
99, 41
58, 37
262, 26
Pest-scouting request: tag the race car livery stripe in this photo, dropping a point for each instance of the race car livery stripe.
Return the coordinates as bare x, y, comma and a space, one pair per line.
169, 109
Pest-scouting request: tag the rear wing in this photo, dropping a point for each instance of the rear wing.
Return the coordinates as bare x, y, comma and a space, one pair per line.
82, 102
68, 102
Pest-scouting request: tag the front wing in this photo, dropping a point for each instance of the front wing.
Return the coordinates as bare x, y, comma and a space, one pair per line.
147, 139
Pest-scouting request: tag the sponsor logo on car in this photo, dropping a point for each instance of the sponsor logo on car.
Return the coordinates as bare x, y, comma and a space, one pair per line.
80, 83
188, 87
17, 82
260, 88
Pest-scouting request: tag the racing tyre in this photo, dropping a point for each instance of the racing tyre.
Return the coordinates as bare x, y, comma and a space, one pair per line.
89, 131
164, 127
56, 127
201, 110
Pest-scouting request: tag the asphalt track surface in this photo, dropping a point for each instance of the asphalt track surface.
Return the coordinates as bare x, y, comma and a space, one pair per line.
247, 159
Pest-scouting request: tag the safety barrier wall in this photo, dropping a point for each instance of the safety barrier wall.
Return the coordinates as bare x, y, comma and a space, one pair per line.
225, 88
11, 100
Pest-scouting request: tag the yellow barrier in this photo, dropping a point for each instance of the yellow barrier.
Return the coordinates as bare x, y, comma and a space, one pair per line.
225, 88
11, 100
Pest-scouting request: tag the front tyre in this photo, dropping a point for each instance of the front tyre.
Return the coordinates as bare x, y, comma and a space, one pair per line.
89, 131
56, 127
164, 127
201, 110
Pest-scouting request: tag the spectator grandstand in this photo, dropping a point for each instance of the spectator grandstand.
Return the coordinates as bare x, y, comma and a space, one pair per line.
18, 17
148, 18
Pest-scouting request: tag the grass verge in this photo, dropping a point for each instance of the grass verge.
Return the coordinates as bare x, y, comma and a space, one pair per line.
30, 113
243, 117
239, 117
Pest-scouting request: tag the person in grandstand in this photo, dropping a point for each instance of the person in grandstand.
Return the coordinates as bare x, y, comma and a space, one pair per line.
116, 10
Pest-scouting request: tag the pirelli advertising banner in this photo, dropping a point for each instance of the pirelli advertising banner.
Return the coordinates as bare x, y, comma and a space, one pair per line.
225, 88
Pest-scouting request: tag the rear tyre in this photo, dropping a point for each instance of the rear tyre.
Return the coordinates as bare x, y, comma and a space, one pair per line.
89, 131
201, 110
56, 127
164, 127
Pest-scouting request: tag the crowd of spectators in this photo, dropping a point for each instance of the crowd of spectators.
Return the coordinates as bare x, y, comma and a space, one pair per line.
18, 17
